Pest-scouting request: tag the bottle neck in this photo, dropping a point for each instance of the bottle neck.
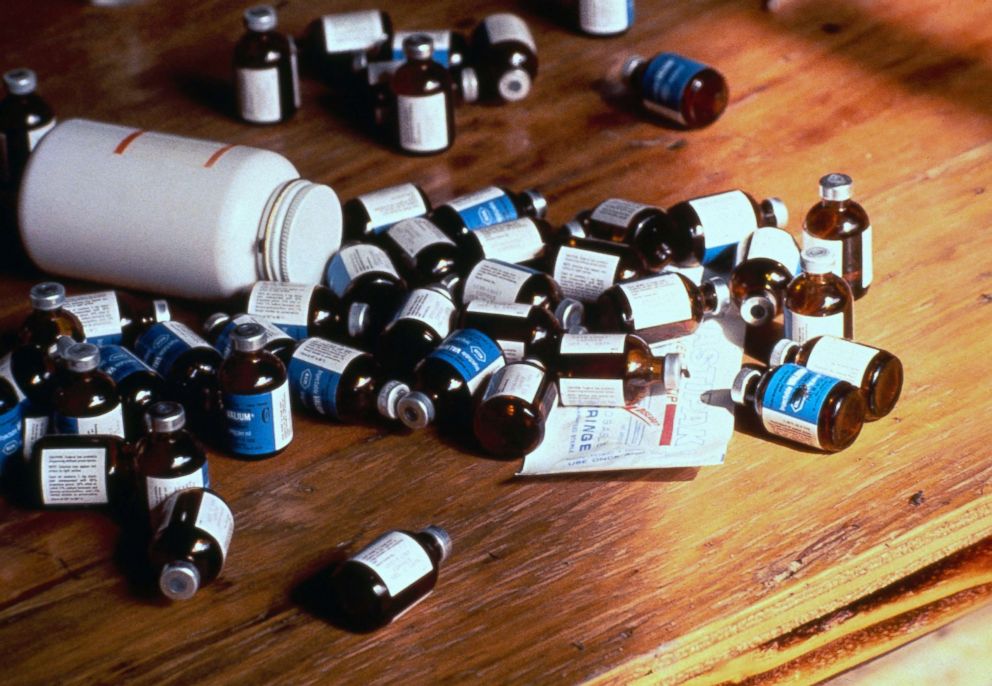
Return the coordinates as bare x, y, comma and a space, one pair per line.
711, 299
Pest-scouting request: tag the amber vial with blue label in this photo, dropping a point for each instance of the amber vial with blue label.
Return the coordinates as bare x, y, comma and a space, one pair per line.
86, 400
801, 405
687, 92
138, 385
255, 397
492, 205
11, 430
168, 458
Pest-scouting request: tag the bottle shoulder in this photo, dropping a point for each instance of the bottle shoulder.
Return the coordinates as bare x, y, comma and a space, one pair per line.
832, 220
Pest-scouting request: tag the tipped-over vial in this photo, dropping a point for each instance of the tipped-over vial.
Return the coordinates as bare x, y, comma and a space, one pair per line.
421, 251
76, 471
517, 240
363, 274
342, 44
138, 385
116, 317
878, 373
32, 374
491, 205
424, 108
370, 214
389, 576
255, 396
520, 330
818, 302
11, 426
86, 400
496, 281
191, 545
24, 119
766, 262
168, 458
218, 328
425, 320
800, 405
305, 309
679, 89
585, 267
505, 56
509, 421
49, 318
645, 228
605, 17
613, 370
841, 225
265, 71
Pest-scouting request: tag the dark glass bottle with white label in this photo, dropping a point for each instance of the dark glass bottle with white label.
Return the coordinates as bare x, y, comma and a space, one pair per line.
24, 119
491, 205
265, 70
801, 405
11, 428
370, 214
138, 385
604, 17
421, 252
254, 389
841, 225
766, 262
517, 241
660, 307
363, 273
190, 547
48, 319
424, 320
389, 576
116, 317
645, 228
447, 380
708, 228
32, 374
505, 55
878, 373
501, 282
168, 458
450, 47
218, 328
303, 310
341, 45
520, 330
509, 421
817, 301
585, 267
684, 91
76, 471
423, 102
86, 400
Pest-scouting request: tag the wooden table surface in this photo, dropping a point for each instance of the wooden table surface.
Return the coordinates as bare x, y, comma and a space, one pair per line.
780, 564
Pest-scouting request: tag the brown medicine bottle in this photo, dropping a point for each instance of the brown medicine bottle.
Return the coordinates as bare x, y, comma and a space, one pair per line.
496, 281
303, 310
421, 251
841, 225
818, 302
167, 458
362, 274
505, 56
424, 320
77, 471
766, 262
424, 110
49, 318
371, 214
487, 206
24, 119
116, 317
646, 229
516, 241
520, 330
265, 70
218, 328
86, 400
509, 421
584, 267
681, 90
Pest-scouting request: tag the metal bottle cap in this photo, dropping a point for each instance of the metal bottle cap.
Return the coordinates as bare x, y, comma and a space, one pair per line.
538, 201
470, 85
179, 580
577, 330
419, 46
835, 187
781, 351
450, 283
442, 538
20, 81
302, 229
572, 229
359, 318
777, 208
674, 370
722, 291
630, 65
47, 296
818, 260
82, 357
741, 382
389, 397
165, 416
415, 410
758, 309
162, 311
61, 346
570, 312
248, 337
213, 320
260, 18
514, 85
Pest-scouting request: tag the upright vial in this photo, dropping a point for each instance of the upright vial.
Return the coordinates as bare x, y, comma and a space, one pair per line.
516, 241
684, 91
766, 262
424, 320
24, 119
801, 405
265, 70
361, 273
491, 205
424, 105
585, 267
841, 225
191, 545
138, 385
660, 307
605, 17
505, 56
32, 374
86, 400
49, 318
646, 228
709, 227
389, 576
116, 317
519, 330
509, 421
818, 302
11, 427
167, 458
421, 251
218, 328
496, 281
76, 471
878, 373
307, 309
370, 214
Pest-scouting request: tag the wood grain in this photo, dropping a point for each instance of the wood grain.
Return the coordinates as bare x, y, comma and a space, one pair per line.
612, 578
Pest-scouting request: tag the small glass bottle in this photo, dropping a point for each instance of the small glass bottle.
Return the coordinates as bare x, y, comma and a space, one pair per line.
371, 214
505, 56
363, 273
49, 319
605, 17
613, 370
450, 47
425, 319
255, 396
446, 381
421, 251
265, 71
520, 330
709, 227
645, 228
841, 225
167, 459
343, 44
115, 317
340, 382
218, 327
818, 302
192, 542
878, 373
660, 307
496, 281
11, 427
801, 405
76, 471
684, 91
32, 374
138, 385
86, 399
303, 310
516, 241
585, 267
24, 119
509, 421
491, 205
424, 105
766, 262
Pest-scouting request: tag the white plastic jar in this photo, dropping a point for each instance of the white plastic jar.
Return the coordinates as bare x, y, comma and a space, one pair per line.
172, 215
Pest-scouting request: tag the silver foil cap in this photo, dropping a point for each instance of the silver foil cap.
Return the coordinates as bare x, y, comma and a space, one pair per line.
741, 382
722, 290
758, 309
415, 410
538, 201
389, 397
359, 318
419, 46
215, 319
179, 580
165, 416
514, 85
818, 260
776, 207
260, 18
61, 346
570, 313
470, 85
836, 187
20, 81
674, 370
47, 296
442, 538
248, 337
82, 357
630, 65
781, 351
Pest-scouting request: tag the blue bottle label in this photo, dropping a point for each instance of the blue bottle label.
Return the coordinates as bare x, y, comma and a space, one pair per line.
472, 354
484, 208
11, 435
260, 423
664, 82
792, 402
163, 343
315, 373
119, 363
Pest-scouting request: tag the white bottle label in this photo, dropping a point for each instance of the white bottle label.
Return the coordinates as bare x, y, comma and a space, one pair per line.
591, 392
604, 16
281, 303
464, 202
506, 309
516, 381
325, 354
801, 327
413, 235
772, 244
431, 308
216, 518
517, 240
506, 27
110, 423
363, 258
35, 135
841, 359
35, 428
513, 351
726, 218
398, 559
423, 122
8, 373
592, 343
389, 205
835, 248
352, 31
617, 212
99, 313
867, 262
159, 489
258, 95
380, 72
185, 334
495, 282
584, 274
658, 300
74, 476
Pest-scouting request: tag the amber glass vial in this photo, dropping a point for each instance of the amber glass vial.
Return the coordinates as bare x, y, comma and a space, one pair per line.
49, 319
501, 282
86, 400
190, 547
841, 225
338, 381
11, 426
265, 70
24, 119
488, 206
878, 373
767, 260
801, 405
167, 458
421, 251
585, 267
818, 302
681, 90
519, 330
343, 44
138, 385
76, 471
32, 374
389, 576
218, 328
420, 325
423, 101
509, 421
361, 273
505, 55
645, 228
303, 310
516, 241
371, 214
